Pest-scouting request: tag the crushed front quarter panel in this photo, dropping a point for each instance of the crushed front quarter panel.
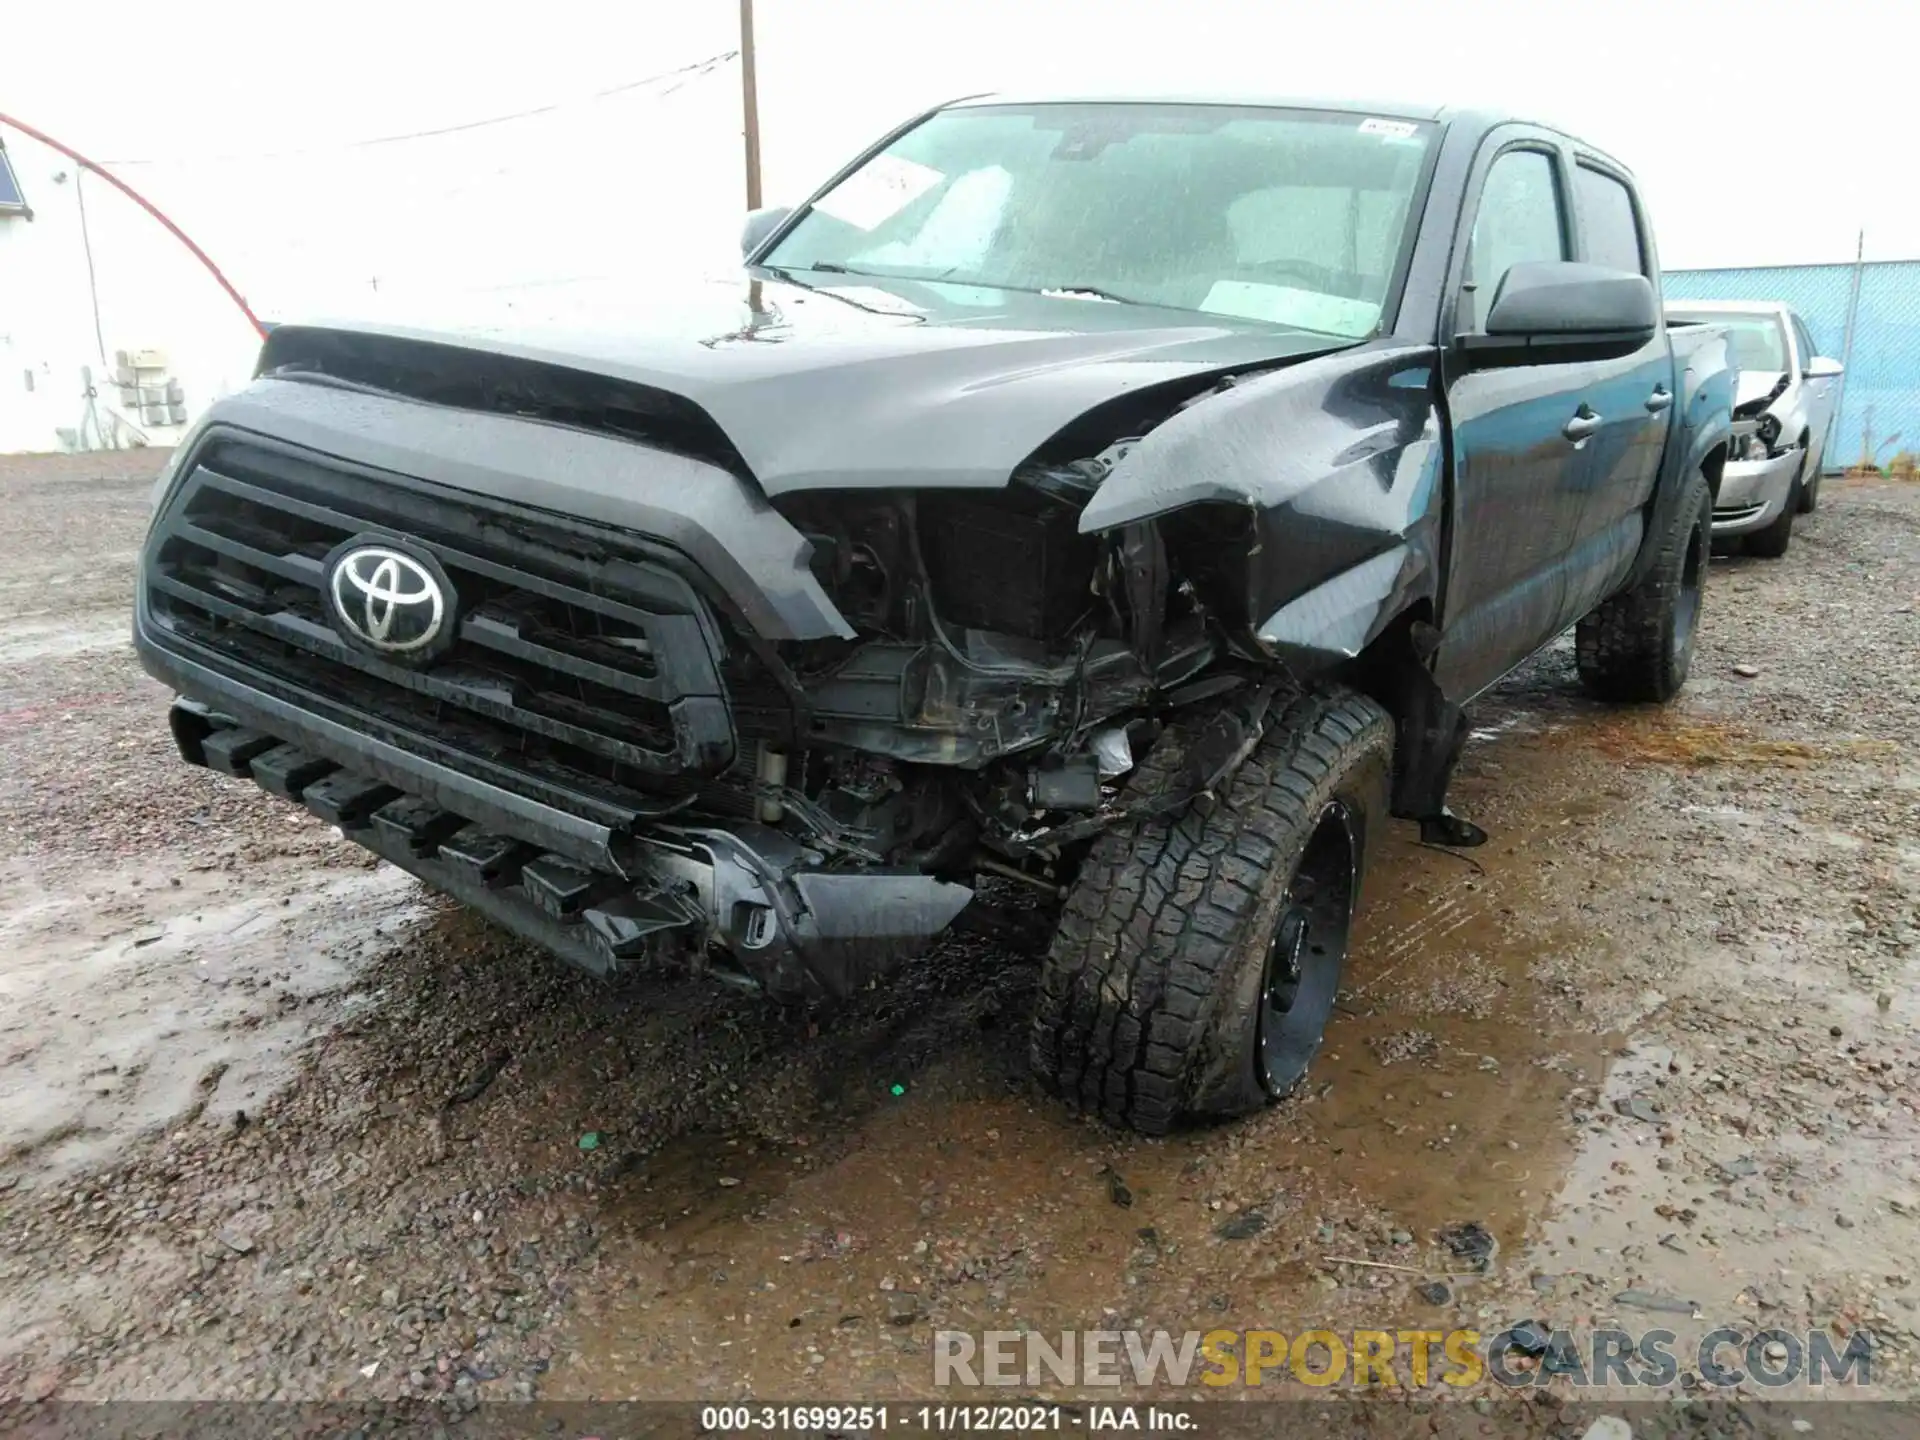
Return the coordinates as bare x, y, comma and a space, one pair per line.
1338, 461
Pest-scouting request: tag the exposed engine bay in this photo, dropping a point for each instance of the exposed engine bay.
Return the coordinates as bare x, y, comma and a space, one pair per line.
1008, 671
1005, 670
792, 780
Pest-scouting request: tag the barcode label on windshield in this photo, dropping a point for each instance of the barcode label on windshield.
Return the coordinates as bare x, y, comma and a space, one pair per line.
1390, 129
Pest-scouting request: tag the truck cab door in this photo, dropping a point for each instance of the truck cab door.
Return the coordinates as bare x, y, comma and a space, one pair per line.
1633, 398
1520, 432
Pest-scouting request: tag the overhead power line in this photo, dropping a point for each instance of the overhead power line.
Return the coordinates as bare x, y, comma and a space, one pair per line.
698, 67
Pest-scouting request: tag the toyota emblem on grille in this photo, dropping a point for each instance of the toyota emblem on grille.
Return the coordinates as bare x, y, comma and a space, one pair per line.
388, 600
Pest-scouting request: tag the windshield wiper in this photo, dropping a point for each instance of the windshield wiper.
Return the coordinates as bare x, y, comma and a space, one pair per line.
834, 267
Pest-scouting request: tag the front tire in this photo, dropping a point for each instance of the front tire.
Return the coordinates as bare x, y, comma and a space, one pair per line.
1199, 954
1809, 496
1772, 542
1637, 646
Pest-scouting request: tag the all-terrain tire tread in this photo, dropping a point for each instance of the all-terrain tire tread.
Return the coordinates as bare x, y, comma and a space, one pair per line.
1146, 943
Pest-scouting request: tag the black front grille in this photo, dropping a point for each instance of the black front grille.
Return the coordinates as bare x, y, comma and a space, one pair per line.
582, 661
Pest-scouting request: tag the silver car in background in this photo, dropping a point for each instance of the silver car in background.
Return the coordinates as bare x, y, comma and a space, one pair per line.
1783, 408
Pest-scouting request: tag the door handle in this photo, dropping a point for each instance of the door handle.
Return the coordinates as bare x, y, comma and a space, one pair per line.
1582, 425
1659, 400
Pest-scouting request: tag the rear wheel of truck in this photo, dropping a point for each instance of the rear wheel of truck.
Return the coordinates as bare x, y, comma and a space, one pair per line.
1638, 645
1199, 953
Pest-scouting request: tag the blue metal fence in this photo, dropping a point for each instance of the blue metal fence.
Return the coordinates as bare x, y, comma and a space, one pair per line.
1880, 410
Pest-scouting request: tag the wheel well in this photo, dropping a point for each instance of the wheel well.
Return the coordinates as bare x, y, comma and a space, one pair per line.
1380, 672
1712, 466
1395, 672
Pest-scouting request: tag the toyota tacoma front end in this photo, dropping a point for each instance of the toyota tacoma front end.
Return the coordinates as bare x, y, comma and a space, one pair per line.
1097, 496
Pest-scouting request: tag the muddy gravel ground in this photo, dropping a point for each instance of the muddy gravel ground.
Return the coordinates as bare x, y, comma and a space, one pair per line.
277, 1124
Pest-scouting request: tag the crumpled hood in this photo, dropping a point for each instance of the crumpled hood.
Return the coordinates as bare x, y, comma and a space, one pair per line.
854, 382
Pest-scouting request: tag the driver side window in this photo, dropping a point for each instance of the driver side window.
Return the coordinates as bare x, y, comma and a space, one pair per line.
1521, 218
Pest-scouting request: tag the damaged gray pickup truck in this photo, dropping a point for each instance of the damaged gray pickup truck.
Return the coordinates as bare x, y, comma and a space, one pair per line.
1113, 497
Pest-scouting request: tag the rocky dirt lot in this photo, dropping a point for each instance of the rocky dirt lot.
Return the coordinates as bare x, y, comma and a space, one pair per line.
276, 1124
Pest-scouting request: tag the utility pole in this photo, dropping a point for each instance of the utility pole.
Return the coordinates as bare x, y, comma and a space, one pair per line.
750, 104
1846, 343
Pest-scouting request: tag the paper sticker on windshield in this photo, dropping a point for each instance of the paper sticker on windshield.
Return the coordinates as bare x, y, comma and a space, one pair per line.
1390, 129
881, 188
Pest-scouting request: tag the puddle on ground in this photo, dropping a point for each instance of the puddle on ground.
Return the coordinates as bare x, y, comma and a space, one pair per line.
142, 999
1486, 1030
31, 640
1471, 1075
1440, 1097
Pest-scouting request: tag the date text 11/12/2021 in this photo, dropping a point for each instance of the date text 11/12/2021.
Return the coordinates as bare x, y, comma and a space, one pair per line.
942, 1419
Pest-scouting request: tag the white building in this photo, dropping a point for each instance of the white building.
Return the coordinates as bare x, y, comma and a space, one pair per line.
84, 273
622, 195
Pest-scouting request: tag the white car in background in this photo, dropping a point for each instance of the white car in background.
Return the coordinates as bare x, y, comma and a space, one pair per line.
1782, 409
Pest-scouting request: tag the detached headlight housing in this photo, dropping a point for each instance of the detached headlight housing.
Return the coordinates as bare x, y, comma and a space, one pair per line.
1768, 430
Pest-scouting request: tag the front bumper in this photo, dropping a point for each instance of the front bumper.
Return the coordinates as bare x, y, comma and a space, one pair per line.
750, 898
1754, 492
538, 770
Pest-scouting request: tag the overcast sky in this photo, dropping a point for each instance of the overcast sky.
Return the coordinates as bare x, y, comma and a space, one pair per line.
1763, 131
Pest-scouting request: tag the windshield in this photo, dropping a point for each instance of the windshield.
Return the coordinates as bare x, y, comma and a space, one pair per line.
1758, 342
1291, 217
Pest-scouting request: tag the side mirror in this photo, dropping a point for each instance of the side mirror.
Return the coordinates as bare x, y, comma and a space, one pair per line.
1562, 298
760, 224
1563, 309
1821, 367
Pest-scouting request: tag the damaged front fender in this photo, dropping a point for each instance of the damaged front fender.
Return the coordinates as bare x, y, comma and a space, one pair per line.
1340, 618
1334, 469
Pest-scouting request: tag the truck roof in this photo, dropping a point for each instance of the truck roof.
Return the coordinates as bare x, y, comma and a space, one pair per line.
1387, 109
1477, 120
